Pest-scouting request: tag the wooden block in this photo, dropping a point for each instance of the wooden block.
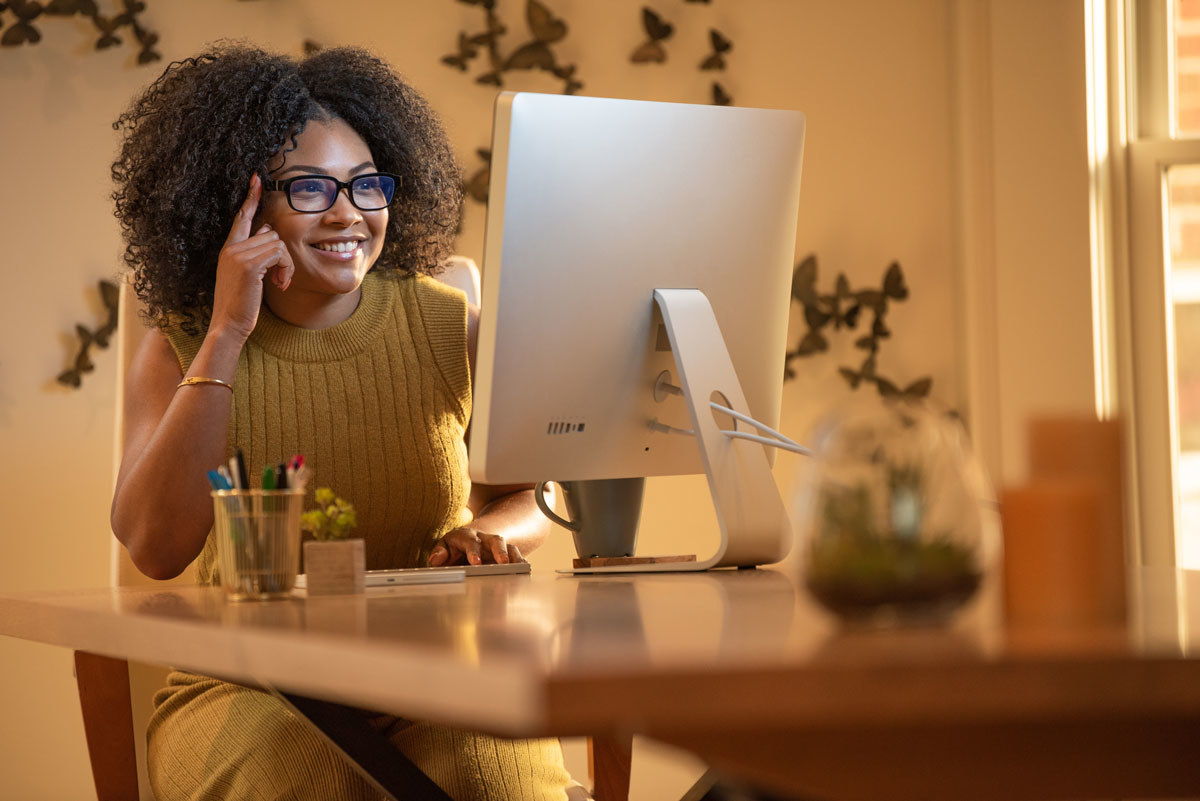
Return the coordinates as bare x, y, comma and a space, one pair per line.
335, 567
618, 561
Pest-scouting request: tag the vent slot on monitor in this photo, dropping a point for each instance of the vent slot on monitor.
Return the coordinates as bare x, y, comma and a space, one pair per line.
575, 426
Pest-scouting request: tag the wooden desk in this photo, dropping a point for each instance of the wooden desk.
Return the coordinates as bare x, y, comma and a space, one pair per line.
737, 667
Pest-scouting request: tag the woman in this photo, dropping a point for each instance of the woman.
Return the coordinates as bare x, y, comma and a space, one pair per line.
281, 221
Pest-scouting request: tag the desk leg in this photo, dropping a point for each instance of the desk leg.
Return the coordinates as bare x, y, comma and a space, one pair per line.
610, 760
367, 750
108, 725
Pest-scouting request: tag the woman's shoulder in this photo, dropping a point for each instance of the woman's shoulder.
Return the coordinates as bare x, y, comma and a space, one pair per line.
438, 303
425, 288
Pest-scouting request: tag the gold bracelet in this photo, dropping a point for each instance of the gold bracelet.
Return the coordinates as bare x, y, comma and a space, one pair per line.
195, 380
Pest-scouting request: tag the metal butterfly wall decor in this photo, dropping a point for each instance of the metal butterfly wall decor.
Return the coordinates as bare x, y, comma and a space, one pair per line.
652, 51
546, 29
476, 187
843, 308
658, 31
73, 377
720, 46
22, 30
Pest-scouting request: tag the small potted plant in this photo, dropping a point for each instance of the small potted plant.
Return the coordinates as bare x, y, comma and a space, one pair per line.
333, 562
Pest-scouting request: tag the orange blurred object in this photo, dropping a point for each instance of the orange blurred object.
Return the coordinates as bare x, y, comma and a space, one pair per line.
1064, 533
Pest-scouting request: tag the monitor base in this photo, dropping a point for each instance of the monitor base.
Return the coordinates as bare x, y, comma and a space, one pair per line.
620, 561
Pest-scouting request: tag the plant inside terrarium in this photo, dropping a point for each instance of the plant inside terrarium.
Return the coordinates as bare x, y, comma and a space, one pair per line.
874, 553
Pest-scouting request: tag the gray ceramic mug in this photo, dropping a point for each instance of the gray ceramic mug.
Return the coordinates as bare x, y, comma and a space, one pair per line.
604, 514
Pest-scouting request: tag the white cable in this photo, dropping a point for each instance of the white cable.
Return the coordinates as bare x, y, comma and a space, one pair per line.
784, 443
769, 441
775, 440
745, 418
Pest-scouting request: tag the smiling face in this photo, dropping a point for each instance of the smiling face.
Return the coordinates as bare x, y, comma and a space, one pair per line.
331, 250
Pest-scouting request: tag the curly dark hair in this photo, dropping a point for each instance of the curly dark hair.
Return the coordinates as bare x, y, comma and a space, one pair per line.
195, 136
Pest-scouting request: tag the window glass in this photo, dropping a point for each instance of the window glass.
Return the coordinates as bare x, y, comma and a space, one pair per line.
1183, 282
1185, 77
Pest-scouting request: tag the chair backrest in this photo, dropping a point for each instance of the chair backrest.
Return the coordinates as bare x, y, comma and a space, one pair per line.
463, 273
145, 680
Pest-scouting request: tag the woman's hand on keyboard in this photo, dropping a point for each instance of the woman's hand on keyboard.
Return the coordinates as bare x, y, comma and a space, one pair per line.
468, 545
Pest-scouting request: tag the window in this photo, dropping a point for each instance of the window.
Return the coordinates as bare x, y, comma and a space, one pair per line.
1163, 130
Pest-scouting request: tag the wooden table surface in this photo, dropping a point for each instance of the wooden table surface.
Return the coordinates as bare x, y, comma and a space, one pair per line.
737, 666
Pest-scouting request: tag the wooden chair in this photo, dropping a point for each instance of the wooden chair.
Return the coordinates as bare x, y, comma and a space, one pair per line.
116, 696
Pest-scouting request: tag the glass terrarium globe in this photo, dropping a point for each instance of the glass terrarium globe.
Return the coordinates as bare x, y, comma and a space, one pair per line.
895, 516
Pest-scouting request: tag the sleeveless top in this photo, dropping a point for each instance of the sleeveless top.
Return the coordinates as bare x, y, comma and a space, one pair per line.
378, 405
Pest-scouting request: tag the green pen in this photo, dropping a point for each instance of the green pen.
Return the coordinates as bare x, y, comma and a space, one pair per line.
268, 479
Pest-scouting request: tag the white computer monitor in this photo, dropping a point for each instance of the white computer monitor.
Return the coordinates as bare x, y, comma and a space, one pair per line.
595, 204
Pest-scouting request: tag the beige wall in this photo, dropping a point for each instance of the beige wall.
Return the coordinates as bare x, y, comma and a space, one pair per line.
882, 172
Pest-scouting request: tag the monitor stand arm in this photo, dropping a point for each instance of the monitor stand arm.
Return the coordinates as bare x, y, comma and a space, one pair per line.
755, 529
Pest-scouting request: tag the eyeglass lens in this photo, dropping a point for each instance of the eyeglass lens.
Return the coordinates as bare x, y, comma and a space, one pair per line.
367, 192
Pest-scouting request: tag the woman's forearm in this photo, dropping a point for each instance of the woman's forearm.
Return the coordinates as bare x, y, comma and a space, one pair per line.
162, 510
516, 518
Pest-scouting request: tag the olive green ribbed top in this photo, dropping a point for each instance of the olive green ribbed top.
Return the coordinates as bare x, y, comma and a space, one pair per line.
378, 405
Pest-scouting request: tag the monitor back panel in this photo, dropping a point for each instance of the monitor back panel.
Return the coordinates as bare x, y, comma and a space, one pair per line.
594, 203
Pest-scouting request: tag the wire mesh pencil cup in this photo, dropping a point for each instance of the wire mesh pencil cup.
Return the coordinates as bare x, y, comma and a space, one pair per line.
258, 541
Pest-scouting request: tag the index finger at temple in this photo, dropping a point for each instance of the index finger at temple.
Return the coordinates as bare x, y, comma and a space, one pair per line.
240, 230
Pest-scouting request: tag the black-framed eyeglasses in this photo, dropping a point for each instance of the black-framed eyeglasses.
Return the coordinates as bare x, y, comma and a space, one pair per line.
313, 194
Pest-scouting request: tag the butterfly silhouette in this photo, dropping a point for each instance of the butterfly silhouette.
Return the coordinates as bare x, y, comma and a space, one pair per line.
477, 185
567, 74
109, 294
720, 46
108, 27
22, 31
546, 28
534, 55
658, 31
83, 363
466, 52
914, 391
719, 96
147, 40
843, 307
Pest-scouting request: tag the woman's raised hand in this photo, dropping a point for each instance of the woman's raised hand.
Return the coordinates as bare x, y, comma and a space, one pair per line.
244, 263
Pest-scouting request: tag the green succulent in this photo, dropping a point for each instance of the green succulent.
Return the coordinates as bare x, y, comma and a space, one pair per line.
333, 519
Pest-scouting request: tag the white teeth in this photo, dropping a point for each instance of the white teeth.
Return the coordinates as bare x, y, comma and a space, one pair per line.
337, 247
